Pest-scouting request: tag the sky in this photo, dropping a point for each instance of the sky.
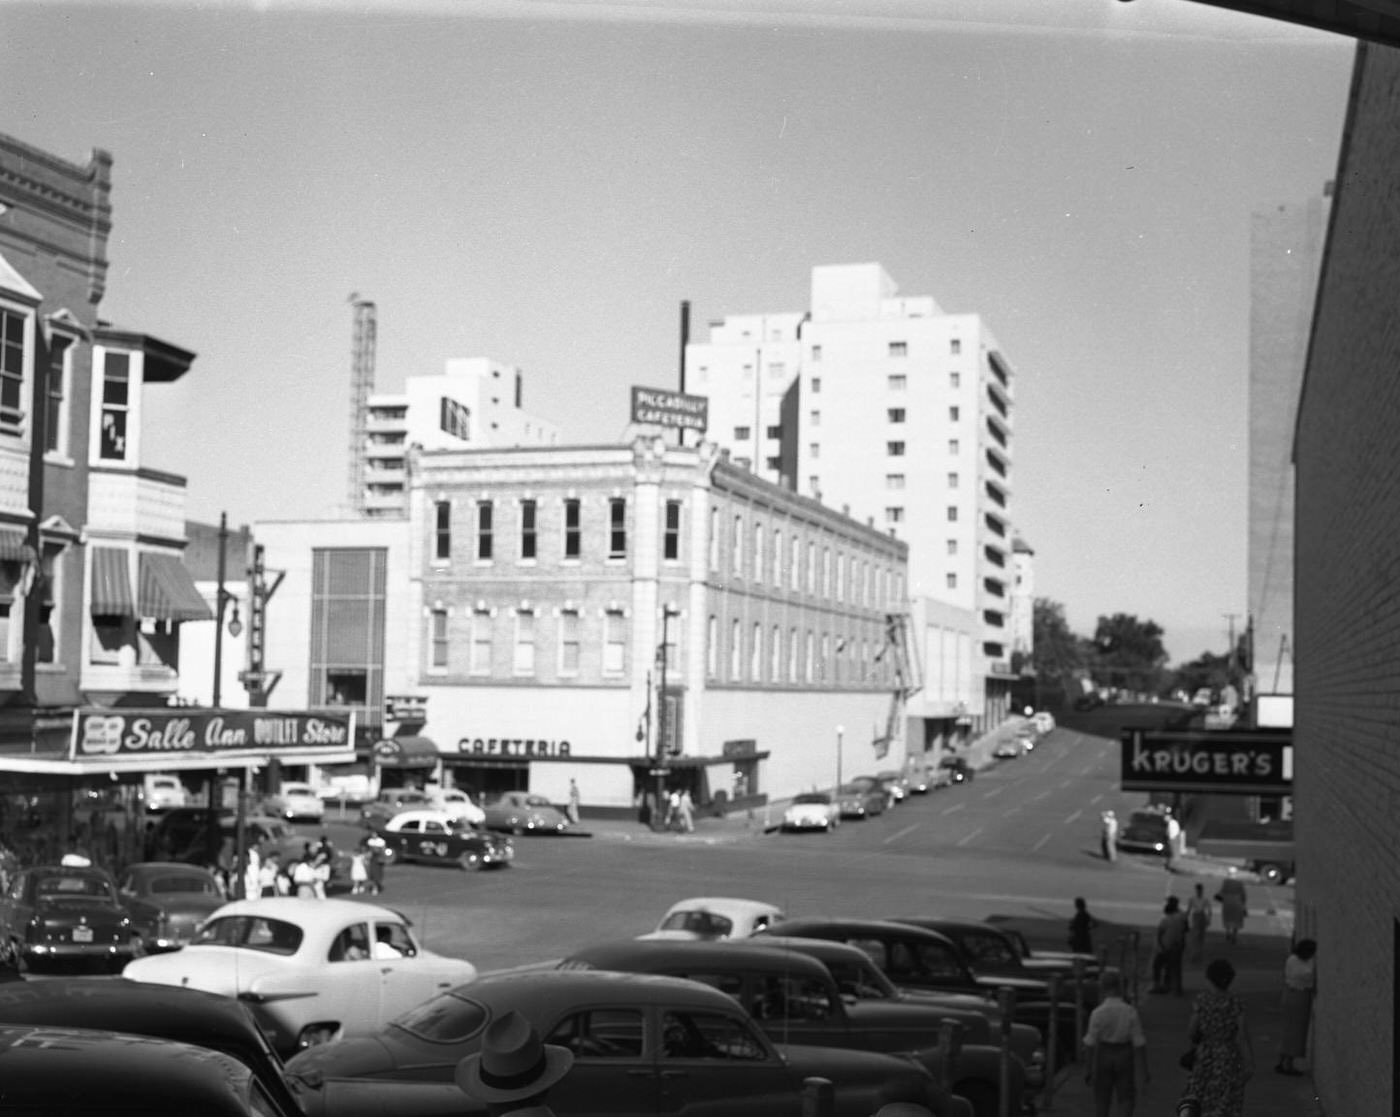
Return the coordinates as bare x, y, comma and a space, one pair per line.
543, 183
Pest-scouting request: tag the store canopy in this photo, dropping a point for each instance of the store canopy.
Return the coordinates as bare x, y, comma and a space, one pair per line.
111, 584
406, 752
167, 591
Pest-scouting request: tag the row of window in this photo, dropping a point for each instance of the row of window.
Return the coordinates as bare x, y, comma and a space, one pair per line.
899, 348
804, 656
522, 628
528, 537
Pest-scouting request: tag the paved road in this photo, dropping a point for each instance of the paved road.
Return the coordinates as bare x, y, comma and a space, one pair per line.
1019, 841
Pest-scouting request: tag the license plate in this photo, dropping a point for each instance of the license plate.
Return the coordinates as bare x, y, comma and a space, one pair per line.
82, 934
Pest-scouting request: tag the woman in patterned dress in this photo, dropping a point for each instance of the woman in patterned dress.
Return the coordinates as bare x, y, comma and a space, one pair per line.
1224, 1054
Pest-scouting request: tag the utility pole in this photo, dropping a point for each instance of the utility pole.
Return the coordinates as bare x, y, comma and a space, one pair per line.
1232, 657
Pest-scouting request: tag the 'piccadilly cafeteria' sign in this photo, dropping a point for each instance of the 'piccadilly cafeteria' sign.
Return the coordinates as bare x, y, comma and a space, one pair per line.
1250, 763
670, 409
132, 734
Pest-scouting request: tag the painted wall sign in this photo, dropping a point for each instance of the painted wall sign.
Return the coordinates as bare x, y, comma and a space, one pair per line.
1225, 761
512, 746
670, 409
140, 734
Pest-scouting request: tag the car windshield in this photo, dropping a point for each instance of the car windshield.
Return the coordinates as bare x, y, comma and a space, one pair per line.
70, 887
812, 797
700, 922
447, 1018
251, 932
1146, 820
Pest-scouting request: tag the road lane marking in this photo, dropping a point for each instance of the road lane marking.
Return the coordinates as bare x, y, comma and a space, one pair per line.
1065, 783
1095, 799
1036, 848
967, 838
993, 793
899, 833
1073, 818
1042, 795
954, 807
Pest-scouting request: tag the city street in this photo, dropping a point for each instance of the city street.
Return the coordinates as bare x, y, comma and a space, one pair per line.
1020, 841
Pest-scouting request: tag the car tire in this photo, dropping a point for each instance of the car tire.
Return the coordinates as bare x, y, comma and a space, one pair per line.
470, 861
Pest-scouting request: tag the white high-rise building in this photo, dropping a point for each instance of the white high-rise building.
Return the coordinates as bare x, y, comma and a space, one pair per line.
899, 413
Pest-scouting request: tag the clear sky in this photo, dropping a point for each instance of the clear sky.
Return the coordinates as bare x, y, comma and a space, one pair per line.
544, 182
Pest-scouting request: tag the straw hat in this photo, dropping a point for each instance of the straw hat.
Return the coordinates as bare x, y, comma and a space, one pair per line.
513, 1063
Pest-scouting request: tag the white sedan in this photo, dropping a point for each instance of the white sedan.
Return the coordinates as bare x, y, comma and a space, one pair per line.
457, 803
311, 970
296, 802
812, 810
715, 917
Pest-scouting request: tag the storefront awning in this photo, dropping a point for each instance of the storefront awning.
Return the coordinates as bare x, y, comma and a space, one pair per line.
167, 591
406, 752
111, 584
699, 761
13, 547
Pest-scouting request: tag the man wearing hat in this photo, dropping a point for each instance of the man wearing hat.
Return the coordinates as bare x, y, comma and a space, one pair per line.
514, 1069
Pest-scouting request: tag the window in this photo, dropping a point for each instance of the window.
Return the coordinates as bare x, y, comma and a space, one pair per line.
14, 351
953, 414
56, 411
840, 577
955, 380
792, 655
481, 642
708, 1036
438, 640
614, 642
524, 642
954, 446
714, 539
442, 530
952, 513
741, 434
814, 484
116, 388
826, 571
894, 449
757, 553
528, 535
756, 654
899, 349
736, 650
485, 516
810, 662
816, 385
811, 567
816, 418
775, 575
671, 540
775, 655
952, 581
568, 642
455, 419
894, 515
952, 480
617, 528
894, 480
816, 356
711, 648
955, 346
896, 414
814, 450
601, 1033
775, 432
774, 464
952, 546
897, 382
736, 548
794, 563
573, 533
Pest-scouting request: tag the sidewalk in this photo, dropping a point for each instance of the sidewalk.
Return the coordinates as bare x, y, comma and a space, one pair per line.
1258, 961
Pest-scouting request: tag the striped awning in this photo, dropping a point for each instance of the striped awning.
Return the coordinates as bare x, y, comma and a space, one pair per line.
406, 752
166, 591
111, 583
14, 548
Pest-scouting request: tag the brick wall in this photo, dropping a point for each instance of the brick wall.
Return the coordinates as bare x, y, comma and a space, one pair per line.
1347, 609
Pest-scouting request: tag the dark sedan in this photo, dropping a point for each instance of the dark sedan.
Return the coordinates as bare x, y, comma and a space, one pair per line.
519, 812
958, 769
167, 901
1144, 832
644, 1046
860, 801
160, 1011
56, 915
438, 838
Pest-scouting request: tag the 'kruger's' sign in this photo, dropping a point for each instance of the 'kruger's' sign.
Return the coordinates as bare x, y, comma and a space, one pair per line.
1248, 763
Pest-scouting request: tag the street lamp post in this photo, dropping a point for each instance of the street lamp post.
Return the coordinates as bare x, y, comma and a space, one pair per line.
840, 734
667, 612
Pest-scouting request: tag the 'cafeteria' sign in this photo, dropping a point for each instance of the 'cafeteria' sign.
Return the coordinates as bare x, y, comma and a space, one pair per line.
670, 409
1224, 761
133, 734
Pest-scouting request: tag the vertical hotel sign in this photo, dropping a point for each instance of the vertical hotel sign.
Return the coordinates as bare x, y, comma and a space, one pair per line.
661, 408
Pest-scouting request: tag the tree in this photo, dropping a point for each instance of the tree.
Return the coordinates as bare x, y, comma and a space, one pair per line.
1056, 651
1128, 654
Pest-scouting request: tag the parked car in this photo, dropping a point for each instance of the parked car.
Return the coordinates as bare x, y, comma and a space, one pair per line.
896, 784
167, 901
1144, 832
519, 812
795, 999
312, 970
95, 1073
643, 1046
1047, 961
715, 917
437, 838
60, 915
811, 810
208, 836
860, 801
162, 792
459, 804
876, 785
1044, 721
296, 802
1009, 749
391, 801
958, 769
161, 1012
346, 787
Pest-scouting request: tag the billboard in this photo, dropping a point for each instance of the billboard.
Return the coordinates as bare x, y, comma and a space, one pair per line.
182, 738
663, 408
1221, 761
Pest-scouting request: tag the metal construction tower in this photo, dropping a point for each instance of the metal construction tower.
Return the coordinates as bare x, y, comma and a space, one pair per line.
361, 385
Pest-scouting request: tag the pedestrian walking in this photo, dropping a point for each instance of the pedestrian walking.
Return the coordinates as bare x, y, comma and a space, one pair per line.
1081, 928
1224, 1053
1233, 905
514, 1070
1198, 918
268, 872
1113, 1043
685, 810
378, 851
359, 872
1171, 948
1299, 986
1173, 842
673, 810
1109, 836
252, 873
573, 803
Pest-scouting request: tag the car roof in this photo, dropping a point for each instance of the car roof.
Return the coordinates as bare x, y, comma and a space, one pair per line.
935, 923
826, 950
729, 955
724, 905
310, 912
422, 816
152, 868
872, 928
538, 990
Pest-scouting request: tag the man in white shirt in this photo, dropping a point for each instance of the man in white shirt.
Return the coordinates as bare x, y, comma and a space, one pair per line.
1113, 1040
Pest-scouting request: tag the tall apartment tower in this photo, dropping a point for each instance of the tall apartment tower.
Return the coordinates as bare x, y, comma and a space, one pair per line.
1286, 246
894, 411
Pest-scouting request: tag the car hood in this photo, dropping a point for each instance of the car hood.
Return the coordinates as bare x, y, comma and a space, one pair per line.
215, 969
